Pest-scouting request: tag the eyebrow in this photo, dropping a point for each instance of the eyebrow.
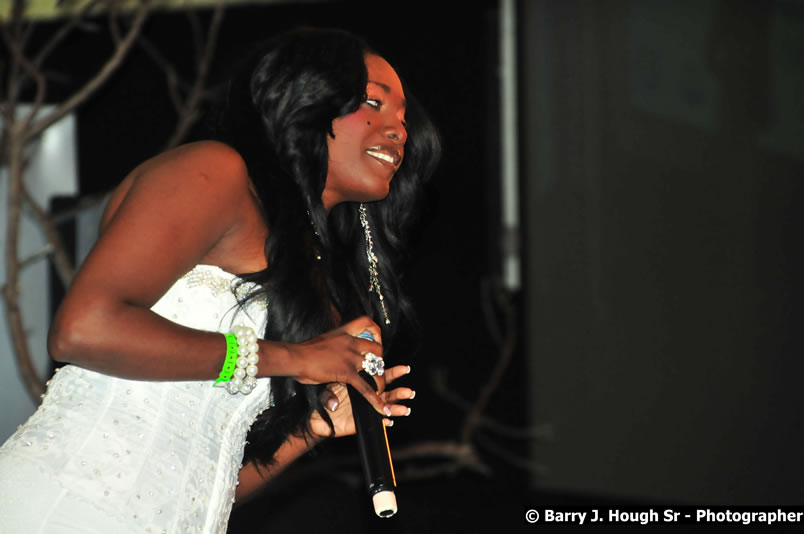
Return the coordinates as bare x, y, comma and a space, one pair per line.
387, 90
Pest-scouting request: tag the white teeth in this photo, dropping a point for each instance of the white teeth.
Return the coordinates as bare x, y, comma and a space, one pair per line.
380, 155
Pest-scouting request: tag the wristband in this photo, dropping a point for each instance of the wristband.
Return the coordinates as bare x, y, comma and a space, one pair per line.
230, 362
239, 373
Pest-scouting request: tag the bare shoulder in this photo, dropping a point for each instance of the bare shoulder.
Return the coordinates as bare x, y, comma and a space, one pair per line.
213, 152
200, 169
210, 160
174, 211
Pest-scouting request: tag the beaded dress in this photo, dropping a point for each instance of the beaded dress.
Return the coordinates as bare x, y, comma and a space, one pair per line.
112, 456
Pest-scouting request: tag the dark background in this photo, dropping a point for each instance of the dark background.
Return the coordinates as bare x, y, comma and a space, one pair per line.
663, 182
661, 179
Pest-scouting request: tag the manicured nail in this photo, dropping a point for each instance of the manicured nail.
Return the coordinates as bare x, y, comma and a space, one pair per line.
408, 412
389, 422
387, 410
412, 394
408, 369
333, 405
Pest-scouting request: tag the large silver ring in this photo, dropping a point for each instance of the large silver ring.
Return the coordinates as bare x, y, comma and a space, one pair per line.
373, 364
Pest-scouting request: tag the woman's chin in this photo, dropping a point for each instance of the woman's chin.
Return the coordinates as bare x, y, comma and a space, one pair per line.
378, 190
380, 195
370, 189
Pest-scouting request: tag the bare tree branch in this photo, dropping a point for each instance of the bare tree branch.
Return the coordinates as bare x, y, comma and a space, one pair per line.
63, 32
61, 259
40, 254
504, 334
189, 112
15, 47
21, 38
114, 29
16, 134
104, 73
414, 462
511, 458
83, 204
198, 35
11, 32
543, 431
174, 83
11, 291
506, 355
440, 387
462, 453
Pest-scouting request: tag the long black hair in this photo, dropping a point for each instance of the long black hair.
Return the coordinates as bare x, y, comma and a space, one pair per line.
278, 114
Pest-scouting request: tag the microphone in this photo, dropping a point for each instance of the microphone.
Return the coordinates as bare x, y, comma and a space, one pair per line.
375, 453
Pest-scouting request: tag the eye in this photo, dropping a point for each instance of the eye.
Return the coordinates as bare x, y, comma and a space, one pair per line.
374, 102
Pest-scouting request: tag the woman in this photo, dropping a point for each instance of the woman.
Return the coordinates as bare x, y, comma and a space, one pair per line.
308, 192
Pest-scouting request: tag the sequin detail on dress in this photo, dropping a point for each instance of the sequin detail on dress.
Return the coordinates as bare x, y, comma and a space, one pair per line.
202, 275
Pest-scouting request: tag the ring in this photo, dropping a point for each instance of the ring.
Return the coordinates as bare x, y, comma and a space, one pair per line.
373, 364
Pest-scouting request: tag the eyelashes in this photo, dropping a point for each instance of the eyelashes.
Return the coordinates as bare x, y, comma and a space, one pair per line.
377, 104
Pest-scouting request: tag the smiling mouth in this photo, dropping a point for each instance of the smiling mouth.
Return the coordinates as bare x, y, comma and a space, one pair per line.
380, 155
385, 154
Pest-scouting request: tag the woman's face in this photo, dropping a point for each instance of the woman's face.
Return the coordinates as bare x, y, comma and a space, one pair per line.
369, 144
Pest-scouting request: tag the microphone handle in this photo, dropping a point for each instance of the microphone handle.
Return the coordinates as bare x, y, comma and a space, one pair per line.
375, 452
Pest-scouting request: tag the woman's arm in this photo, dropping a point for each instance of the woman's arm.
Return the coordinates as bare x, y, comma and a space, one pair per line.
191, 205
181, 205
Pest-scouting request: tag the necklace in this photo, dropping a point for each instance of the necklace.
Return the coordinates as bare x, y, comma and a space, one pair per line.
374, 278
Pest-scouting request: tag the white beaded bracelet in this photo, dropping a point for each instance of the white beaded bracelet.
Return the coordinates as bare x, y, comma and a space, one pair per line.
245, 373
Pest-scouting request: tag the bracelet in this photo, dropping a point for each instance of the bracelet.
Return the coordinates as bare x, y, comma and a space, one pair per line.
231, 359
242, 358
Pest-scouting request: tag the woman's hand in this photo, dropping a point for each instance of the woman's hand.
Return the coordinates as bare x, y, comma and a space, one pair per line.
337, 356
336, 400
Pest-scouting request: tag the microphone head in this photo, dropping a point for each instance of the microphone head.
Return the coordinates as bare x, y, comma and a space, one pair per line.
384, 503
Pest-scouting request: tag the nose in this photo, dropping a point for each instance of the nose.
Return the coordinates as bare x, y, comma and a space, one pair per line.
395, 131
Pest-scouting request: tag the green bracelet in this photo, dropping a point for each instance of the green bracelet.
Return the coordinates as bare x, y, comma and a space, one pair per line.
231, 359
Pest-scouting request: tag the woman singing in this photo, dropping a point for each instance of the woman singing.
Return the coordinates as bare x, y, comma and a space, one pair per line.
222, 302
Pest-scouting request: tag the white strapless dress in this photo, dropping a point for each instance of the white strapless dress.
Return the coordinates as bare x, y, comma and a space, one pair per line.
112, 456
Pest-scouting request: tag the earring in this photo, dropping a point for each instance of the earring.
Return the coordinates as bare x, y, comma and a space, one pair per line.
316, 252
374, 280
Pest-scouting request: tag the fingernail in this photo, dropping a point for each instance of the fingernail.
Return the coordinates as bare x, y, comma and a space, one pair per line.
390, 422
387, 411
408, 369
409, 410
413, 394
332, 405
